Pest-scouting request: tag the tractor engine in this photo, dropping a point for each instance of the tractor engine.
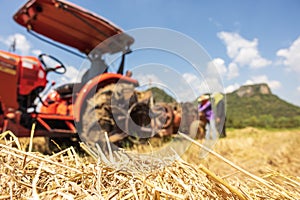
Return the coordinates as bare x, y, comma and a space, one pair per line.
23, 78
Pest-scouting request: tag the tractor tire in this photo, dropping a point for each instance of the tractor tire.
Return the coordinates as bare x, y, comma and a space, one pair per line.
102, 108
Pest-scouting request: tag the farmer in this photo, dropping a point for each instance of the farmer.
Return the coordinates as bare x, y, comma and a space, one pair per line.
205, 110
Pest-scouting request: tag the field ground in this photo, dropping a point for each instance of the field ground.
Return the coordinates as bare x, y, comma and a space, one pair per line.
258, 151
271, 155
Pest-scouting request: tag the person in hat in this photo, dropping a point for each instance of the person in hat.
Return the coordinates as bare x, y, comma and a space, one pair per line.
205, 110
205, 106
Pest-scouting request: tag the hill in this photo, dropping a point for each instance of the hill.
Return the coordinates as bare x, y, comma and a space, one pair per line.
160, 95
255, 105
251, 105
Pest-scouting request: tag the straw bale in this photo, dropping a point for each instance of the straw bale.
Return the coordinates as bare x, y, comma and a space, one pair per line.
66, 175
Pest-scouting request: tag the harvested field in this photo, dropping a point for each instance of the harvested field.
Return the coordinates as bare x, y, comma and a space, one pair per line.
258, 151
270, 159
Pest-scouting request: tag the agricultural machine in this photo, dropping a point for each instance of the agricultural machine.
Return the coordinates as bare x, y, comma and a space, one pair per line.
101, 103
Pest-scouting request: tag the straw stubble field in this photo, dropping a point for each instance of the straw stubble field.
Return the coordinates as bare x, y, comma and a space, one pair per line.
260, 165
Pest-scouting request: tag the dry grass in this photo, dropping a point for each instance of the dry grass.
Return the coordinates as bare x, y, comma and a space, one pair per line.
258, 151
65, 175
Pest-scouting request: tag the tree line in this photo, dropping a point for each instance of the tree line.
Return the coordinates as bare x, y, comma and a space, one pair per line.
264, 121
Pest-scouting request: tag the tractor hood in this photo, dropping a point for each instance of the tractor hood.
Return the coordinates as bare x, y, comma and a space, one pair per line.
72, 25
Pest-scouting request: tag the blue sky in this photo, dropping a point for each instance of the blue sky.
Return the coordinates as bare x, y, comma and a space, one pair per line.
248, 41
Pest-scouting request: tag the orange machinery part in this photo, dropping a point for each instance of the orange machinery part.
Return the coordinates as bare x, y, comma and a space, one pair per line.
9, 79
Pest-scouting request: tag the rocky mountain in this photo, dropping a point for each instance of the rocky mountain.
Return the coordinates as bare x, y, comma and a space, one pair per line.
251, 90
255, 105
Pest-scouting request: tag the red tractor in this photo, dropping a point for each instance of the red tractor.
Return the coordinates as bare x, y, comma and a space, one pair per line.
76, 107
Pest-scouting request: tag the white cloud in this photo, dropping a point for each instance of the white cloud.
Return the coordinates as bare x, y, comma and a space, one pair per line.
243, 52
219, 64
233, 71
218, 67
273, 84
298, 88
195, 83
191, 78
291, 56
232, 88
210, 84
22, 44
147, 79
214, 84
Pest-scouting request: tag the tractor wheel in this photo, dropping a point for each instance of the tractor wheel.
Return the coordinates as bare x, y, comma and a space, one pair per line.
108, 104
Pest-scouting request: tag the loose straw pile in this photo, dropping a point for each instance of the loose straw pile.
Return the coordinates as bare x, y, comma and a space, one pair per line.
66, 175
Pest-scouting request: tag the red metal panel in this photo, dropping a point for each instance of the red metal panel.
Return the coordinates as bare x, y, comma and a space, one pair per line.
32, 75
9, 69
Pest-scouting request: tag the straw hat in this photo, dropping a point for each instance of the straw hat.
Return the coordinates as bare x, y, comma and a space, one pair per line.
203, 97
